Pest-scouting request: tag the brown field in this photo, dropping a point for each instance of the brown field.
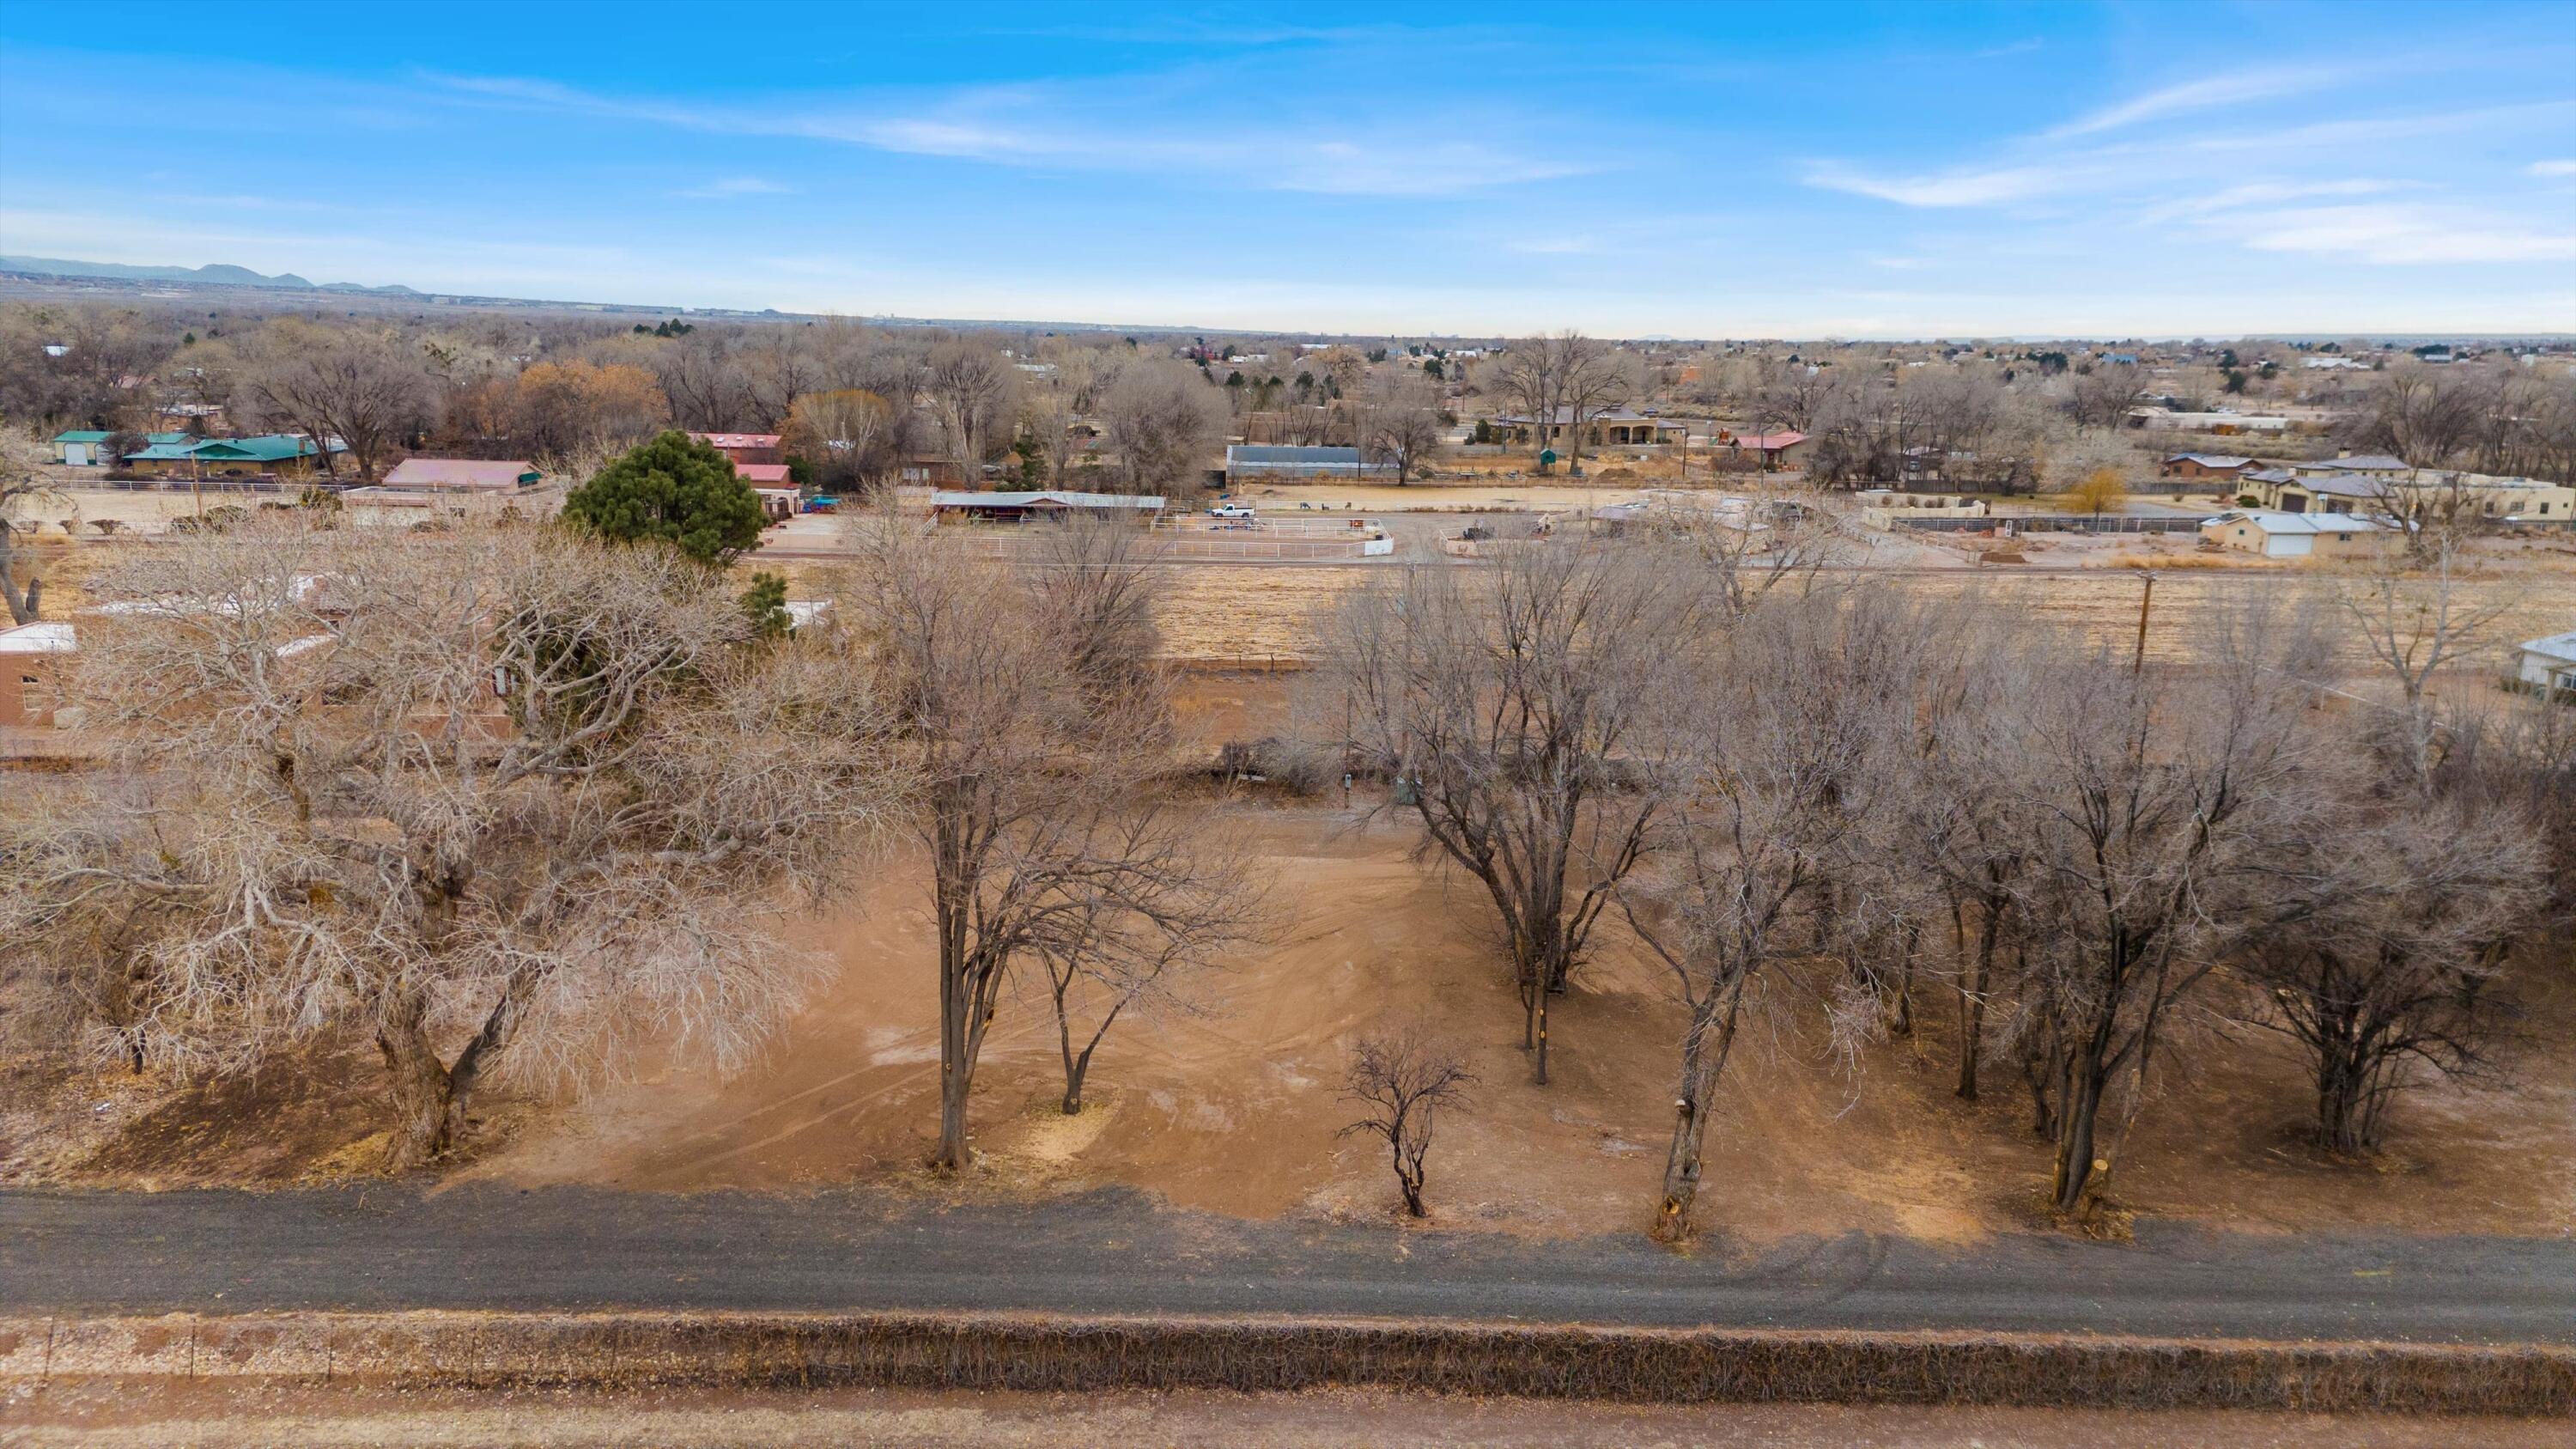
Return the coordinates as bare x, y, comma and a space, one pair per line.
1217, 612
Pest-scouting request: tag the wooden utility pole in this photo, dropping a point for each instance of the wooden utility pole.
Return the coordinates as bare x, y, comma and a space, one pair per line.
2146, 599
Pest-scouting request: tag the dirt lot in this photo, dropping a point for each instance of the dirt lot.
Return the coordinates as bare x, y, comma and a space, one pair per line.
170, 1413
1234, 1108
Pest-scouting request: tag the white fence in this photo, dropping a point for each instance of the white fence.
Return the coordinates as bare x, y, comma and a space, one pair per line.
1206, 547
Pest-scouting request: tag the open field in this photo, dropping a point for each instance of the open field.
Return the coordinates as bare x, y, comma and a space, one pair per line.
1217, 612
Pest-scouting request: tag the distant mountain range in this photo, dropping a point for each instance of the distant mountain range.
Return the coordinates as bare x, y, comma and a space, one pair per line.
219, 274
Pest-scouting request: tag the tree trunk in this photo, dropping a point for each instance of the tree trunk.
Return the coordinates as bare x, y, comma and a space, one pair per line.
1077, 1066
425, 1108
1538, 1025
1532, 967
956, 1062
2339, 1099
22, 601
1904, 1023
1702, 1062
2074, 1165
1972, 1005
430, 1100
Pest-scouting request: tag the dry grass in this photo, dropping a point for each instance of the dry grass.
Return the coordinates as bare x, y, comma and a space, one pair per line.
1057, 1354
2167, 562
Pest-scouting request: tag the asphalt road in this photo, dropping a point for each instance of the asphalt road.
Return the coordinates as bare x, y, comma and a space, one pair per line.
489, 1247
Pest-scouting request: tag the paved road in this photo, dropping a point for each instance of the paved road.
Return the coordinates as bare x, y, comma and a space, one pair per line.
482, 1246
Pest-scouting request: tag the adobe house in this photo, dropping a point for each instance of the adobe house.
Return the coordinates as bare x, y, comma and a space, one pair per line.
31, 660
778, 492
2204, 467
744, 447
2298, 535
1773, 450
1614, 427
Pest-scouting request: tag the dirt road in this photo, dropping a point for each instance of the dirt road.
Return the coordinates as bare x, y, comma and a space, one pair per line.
494, 1247
217, 1415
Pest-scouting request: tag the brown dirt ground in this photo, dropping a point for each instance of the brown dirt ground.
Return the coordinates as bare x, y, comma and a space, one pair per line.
1234, 1107
121, 1414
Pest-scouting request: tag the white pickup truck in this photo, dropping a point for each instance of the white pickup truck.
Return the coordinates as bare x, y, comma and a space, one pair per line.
1231, 510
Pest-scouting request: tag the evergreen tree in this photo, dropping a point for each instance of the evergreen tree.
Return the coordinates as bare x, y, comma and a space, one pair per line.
676, 490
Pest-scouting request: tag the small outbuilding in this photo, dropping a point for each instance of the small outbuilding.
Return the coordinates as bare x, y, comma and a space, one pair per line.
2548, 663
81, 447
463, 475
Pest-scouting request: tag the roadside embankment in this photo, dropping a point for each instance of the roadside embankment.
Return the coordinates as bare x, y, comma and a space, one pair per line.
1068, 1354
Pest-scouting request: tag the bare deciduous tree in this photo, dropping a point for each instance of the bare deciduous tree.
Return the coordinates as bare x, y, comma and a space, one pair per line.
705, 384
1516, 706
1594, 377
1165, 421
1035, 811
1141, 898
20, 486
2397, 919
1401, 425
2102, 398
842, 433
2416, 622
1758, 536
2145, 806
495, 788
1405, 1079
1791, 735
975, 396
366, 389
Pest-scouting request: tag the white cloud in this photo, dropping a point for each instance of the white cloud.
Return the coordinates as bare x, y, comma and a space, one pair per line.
2234, 88
2339, 136
733, 186
2401, 235
1944, 189
2269, 193
2552, 168
1066, 127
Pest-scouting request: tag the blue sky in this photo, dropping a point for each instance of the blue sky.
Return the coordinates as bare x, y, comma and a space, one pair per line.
1897, 170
